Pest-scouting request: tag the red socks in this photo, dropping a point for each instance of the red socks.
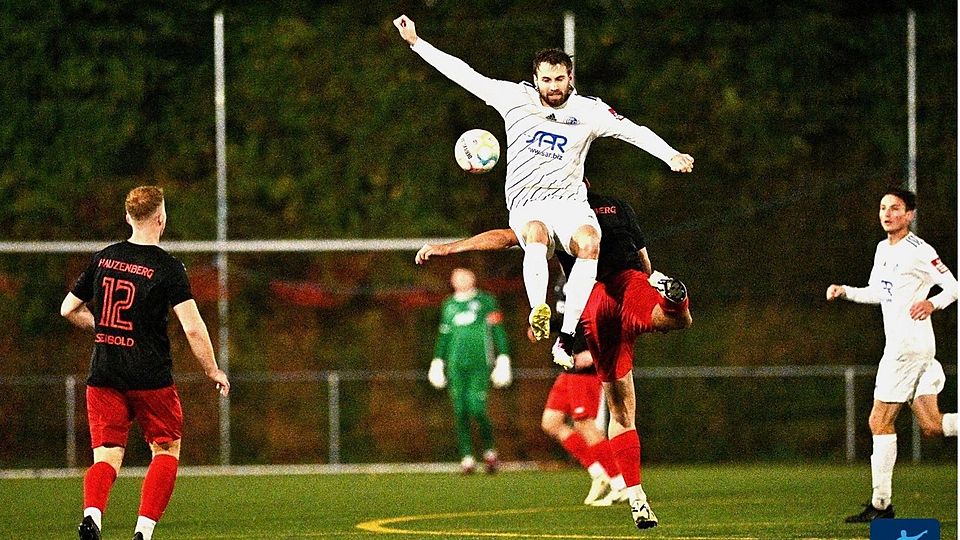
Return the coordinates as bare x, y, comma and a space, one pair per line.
603, 453
158, 486
96, 485
626, 452
577, 447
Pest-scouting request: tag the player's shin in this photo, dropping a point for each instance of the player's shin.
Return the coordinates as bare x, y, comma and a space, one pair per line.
577, 290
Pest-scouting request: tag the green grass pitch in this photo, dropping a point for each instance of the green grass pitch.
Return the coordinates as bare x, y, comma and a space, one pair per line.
775, 502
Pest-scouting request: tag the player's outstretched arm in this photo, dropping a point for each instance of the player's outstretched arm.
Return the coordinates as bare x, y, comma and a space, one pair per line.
75, 310
486, 241
408, 30
199, 339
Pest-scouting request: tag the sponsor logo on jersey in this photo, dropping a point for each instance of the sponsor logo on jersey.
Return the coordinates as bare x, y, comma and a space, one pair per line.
605, 210
546, 139
546, 144
887, 286
119, 341
938, 264
464, 318
615, 114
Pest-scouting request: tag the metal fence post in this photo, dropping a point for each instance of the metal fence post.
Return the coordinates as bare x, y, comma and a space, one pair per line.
333, 415
70, 387
849, 376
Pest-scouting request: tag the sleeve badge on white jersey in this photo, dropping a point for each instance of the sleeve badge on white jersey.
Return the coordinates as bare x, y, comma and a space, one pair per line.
615, 114
938, 264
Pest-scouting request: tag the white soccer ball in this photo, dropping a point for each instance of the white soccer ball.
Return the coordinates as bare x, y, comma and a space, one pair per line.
477, 151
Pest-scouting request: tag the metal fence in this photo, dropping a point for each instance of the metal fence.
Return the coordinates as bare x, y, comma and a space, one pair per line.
832, 377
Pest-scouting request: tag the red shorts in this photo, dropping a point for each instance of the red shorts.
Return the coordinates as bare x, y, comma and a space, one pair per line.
575, 394
619, 309
110, 413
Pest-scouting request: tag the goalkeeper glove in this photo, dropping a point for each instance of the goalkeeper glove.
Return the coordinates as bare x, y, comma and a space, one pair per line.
501, 376
436, 376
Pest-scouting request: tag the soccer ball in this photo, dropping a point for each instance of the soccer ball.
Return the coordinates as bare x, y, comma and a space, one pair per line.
477, 151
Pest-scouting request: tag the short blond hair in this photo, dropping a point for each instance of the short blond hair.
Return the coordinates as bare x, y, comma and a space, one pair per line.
143, 202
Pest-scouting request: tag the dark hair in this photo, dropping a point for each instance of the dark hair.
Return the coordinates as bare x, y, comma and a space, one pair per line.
554, 57
908, 197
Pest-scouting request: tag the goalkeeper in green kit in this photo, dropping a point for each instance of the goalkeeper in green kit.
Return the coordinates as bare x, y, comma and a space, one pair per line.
471, 353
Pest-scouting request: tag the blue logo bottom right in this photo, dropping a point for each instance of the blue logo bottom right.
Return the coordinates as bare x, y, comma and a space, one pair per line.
904, 529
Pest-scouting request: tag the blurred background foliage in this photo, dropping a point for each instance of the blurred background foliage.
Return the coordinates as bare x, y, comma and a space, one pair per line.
795, 113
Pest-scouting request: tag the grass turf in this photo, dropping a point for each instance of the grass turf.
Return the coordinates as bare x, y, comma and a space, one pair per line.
776, 502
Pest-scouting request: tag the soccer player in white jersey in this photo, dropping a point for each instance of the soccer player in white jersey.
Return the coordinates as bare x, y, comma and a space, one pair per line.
905, 268
549, 129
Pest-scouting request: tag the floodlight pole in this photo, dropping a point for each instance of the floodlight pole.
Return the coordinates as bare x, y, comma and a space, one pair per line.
912, 105
223, 298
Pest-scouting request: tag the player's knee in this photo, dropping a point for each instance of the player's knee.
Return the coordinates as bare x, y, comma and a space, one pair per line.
169, 448
586, 243
111, 455
535, 232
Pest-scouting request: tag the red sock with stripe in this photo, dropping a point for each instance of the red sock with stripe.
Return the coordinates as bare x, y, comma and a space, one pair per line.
97, 484
577, 447
626, 452
158, 486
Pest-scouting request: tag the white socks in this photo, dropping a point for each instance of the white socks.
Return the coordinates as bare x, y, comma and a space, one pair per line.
596, 470
95, 514
881, 467
636, 493
617, 483
579, 285
949, 425
145, 527
536, 274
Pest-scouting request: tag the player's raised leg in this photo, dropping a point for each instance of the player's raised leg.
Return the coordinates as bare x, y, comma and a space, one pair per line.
536, 274
585, 245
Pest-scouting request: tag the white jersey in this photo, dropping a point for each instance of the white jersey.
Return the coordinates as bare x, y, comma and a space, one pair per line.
546, 146
903, 274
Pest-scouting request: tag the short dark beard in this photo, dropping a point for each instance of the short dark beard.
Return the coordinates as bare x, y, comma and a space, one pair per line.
564, 99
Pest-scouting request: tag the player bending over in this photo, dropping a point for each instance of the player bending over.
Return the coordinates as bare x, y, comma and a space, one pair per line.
624, 303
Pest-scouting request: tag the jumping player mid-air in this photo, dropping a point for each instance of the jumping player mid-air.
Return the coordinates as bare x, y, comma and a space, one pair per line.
549, 129
624, 303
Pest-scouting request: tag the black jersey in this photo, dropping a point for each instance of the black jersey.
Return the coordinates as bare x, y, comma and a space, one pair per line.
621, 239
130, 289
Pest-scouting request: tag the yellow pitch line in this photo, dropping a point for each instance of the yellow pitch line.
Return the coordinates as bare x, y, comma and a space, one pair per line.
382, 526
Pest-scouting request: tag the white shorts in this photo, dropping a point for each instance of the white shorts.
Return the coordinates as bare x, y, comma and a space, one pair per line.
562, 219
900, 379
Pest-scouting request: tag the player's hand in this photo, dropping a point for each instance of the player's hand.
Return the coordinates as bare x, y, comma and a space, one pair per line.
921, 310
582, 360
424, 254
500, 376
436, 375
223, 384
408, 30
835, 291
681, 163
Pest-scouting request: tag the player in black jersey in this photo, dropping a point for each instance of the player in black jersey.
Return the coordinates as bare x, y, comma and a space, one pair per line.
625, 302
129, 288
